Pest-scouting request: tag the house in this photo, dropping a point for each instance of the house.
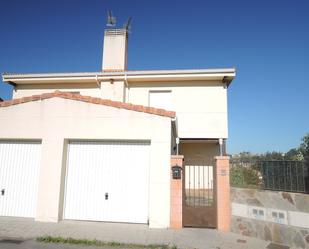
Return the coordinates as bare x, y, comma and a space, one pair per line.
100, 146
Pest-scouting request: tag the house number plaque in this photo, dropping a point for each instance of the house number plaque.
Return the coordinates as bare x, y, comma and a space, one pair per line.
223, 172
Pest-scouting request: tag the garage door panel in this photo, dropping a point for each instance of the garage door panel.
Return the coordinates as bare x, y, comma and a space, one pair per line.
19, 169
119, 169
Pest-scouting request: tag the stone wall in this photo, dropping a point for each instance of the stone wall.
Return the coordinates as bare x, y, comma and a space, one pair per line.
280, 217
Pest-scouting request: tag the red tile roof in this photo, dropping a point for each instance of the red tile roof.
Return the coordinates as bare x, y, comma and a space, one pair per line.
92, 100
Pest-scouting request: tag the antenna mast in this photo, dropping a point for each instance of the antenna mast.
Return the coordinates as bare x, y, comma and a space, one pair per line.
111, 20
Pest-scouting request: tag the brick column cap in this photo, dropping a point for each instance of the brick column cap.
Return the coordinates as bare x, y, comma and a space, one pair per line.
177, 156
222, 157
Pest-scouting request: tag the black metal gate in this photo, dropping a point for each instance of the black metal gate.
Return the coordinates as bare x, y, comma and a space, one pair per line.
200, 197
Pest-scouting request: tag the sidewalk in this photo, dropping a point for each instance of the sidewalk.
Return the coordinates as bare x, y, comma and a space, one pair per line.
127, 233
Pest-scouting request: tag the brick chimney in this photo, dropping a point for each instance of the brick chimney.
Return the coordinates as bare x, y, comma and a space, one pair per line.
115, 50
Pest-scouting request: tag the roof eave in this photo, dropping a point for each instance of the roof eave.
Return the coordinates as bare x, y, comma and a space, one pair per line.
130, 76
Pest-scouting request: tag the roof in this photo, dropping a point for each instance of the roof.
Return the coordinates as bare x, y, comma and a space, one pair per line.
92, 100
226, 75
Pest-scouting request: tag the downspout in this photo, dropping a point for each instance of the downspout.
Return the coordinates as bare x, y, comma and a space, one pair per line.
221, 146
177, 146
97, 81
127, 85
14, 85
175, 131
126, 78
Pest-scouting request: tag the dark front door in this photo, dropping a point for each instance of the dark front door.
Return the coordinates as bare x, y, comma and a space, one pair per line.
200, 198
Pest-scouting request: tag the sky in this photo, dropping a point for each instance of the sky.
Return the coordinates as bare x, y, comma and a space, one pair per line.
267, 42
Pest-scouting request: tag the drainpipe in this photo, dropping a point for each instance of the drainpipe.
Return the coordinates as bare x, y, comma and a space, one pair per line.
175, 131
97, 80
177, 146
126, 78
221, 146
127, 85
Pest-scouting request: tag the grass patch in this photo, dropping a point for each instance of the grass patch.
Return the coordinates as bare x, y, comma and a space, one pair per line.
85, 242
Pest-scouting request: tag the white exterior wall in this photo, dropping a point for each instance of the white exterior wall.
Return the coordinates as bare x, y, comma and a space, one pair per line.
115, 50
84, 89
56, 120
114, 90
201, 107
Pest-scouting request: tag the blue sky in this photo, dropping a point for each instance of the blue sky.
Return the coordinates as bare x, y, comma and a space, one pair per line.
267, 41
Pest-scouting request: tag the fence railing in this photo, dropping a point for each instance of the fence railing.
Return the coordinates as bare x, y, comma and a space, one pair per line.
290, 176
283, 175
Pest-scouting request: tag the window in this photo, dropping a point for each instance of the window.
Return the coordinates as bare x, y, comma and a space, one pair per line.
161, 99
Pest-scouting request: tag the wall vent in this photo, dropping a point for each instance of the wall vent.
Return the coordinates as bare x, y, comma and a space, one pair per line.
278, 216
257, 213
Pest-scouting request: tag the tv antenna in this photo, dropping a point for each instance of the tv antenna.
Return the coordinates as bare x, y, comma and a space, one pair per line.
111, 20
127, 25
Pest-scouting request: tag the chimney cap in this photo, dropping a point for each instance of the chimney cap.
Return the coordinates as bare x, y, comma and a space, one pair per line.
116, 32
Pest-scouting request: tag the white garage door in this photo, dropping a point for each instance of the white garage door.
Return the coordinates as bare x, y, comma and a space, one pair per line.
19, 170
107, 181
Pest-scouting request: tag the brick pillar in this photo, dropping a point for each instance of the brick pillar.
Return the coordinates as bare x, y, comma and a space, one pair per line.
176, 194
223, 193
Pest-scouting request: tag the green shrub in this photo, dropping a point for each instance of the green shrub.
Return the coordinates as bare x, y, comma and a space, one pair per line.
241, 176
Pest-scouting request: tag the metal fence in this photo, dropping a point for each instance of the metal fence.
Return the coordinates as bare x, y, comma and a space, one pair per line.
199, 182
284, 175
290, 176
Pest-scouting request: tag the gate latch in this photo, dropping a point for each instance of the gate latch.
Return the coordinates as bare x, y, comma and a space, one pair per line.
2, 191
106, 196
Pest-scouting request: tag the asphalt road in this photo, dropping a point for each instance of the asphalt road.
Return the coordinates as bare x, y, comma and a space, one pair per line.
32, 244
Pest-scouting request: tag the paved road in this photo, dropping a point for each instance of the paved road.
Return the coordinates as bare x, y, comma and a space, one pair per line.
188, 238
32, 244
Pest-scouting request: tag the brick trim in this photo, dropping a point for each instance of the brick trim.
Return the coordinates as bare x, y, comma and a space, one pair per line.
177, 157
222, 157
223, 193
177, 194
92, 100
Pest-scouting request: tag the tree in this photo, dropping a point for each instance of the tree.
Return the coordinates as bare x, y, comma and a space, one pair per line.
294, 155
269, 156
304, 148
